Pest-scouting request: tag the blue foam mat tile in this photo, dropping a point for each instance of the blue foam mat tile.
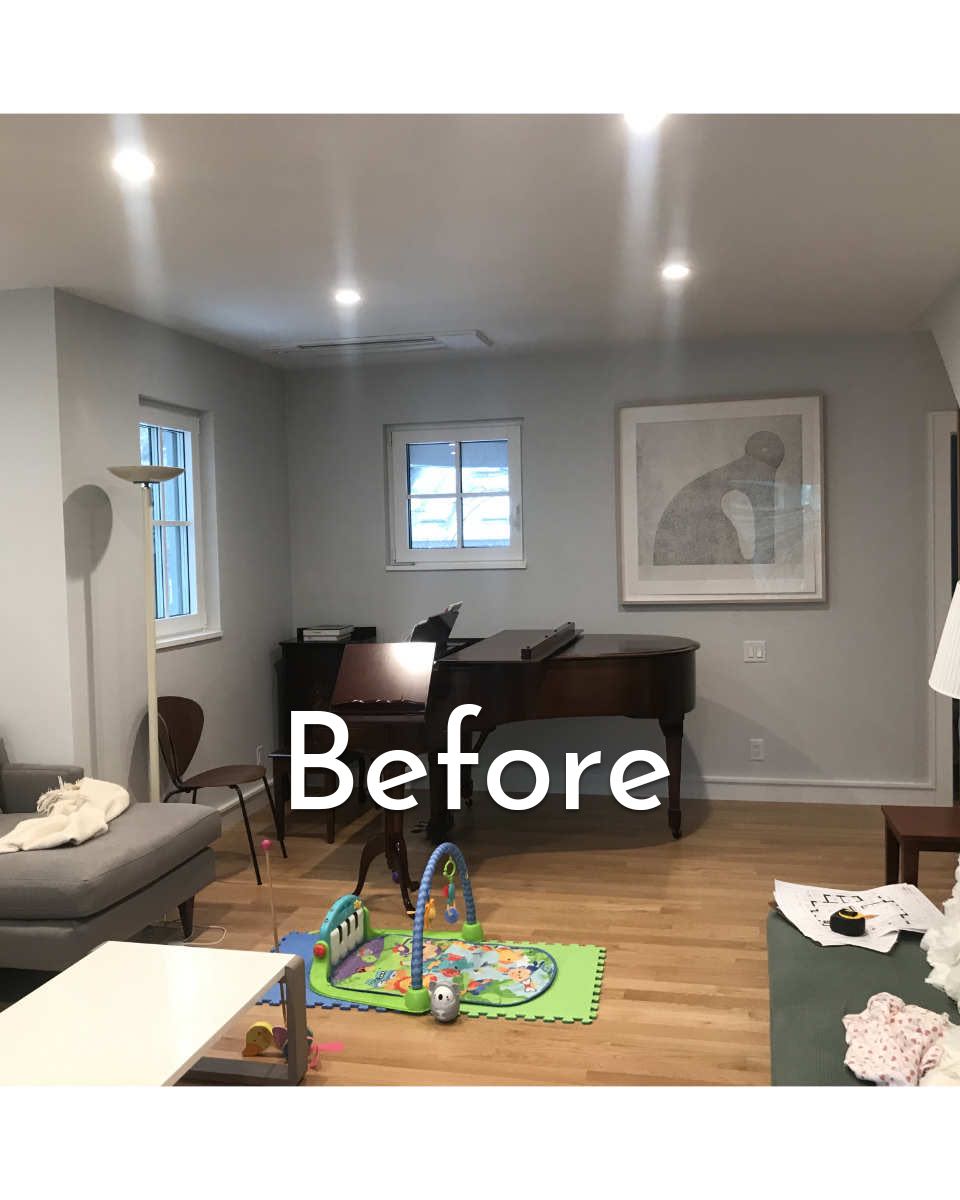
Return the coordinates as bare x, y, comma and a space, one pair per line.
302, 944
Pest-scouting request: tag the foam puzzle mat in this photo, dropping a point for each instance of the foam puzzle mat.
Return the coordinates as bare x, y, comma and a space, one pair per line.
551, 982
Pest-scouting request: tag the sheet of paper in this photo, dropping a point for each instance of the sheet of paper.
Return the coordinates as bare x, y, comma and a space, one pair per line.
892, 908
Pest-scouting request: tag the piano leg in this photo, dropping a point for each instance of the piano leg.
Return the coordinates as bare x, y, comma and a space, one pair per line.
466, 790
397, 857
440, 822
672, 728
372, 848
390, 843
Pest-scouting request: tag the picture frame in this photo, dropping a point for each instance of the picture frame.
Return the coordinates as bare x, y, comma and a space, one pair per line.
721, 502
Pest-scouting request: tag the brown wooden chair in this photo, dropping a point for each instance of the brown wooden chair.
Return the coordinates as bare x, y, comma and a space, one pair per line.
180, 727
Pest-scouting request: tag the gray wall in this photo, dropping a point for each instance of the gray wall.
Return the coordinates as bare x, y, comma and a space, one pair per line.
35, 720
842, 700
107, 360
943, 321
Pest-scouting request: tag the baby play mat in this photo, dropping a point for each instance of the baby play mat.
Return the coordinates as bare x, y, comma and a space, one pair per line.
489, 973
352, 965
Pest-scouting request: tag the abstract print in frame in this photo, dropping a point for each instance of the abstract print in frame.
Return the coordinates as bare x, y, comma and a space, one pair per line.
721, 502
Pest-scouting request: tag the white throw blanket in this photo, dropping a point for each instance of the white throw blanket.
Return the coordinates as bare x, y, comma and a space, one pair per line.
70, 814
942, 944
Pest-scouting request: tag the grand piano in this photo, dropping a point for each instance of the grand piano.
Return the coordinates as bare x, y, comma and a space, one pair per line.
527, 675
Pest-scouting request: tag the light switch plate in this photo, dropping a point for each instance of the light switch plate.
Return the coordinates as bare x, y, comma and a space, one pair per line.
754, 652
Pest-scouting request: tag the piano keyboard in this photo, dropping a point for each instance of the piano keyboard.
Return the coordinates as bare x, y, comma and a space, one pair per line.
345, 937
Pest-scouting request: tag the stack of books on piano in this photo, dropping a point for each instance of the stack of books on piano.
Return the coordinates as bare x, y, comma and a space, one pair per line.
324, 633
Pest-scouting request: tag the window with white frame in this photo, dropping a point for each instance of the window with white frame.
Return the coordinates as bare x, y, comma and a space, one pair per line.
170, 437
454, 495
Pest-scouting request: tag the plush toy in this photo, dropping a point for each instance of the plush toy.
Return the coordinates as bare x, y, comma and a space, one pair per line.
444, 1001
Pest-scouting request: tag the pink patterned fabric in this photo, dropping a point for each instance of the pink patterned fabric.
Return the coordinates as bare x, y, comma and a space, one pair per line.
893, 1043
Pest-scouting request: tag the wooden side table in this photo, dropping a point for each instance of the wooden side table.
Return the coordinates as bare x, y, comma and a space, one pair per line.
909, 830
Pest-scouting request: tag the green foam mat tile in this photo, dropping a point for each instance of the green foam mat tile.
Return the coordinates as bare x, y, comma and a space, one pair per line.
573, 997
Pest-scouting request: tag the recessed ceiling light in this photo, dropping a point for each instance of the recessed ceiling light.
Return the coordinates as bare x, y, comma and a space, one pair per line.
133, 166
347, 297
640, 121
674, 271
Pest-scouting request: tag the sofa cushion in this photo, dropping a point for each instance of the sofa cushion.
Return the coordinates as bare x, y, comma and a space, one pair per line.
141, 845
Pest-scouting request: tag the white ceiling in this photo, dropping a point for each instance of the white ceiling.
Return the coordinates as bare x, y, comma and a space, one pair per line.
537, 230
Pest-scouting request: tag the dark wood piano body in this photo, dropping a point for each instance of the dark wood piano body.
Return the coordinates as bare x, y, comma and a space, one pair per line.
596, 675
307, 672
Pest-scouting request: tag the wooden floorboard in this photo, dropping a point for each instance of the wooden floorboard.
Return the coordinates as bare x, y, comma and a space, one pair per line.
685, 987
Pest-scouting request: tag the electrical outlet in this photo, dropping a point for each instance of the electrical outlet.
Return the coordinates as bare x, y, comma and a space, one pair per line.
260, 756
757, 750
754, 652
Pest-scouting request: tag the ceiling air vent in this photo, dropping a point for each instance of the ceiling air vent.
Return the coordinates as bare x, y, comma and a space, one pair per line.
364, 347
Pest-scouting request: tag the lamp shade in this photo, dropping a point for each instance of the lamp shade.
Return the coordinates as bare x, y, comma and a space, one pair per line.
945, 675
144, 473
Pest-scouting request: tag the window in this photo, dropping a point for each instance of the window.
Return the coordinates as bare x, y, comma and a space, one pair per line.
171, 438
454, 495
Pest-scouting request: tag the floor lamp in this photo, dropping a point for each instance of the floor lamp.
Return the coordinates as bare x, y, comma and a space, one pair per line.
945, 672
144, 475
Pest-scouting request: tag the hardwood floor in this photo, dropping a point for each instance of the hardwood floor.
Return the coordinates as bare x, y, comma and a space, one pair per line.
685, 987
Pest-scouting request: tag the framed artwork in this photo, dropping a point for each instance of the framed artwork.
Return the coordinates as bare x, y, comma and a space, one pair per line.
721, 502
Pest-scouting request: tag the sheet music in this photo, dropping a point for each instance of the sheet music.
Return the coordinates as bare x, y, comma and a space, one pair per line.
893, 908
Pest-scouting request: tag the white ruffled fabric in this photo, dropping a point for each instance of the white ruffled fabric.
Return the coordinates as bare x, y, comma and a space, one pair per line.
947, 1071
942, 944
69, 815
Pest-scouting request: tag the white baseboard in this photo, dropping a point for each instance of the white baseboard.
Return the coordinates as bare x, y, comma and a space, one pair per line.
816, 791
802, 791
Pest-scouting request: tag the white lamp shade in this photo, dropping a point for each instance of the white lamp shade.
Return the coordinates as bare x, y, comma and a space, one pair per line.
945, 675
143, 473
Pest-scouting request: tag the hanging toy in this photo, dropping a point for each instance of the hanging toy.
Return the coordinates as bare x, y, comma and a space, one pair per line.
429, 912
450, 914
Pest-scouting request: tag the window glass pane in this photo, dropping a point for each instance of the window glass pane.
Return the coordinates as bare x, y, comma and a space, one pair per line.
486, 521
432, 524
174, 546
484, 466
176, 570
431, 468
158, 572
173, 504
150, 454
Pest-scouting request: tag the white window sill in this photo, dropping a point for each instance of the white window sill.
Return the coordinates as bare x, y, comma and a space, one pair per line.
188, 639
479, 565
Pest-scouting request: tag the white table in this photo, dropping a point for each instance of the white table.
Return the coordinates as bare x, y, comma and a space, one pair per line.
131, 1013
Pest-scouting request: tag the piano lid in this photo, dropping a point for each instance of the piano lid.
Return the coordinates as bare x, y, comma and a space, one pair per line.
506, 647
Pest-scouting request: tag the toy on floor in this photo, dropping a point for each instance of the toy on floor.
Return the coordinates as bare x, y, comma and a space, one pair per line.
261, 1037
425, 971
445, 1002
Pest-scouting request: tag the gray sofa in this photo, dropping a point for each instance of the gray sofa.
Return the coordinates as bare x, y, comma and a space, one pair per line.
57, 905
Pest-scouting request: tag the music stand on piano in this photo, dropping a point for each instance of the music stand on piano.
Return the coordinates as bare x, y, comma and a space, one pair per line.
381, 692
437, 629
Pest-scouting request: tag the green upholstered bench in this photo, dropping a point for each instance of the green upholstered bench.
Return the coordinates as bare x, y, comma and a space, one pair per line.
812, 988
